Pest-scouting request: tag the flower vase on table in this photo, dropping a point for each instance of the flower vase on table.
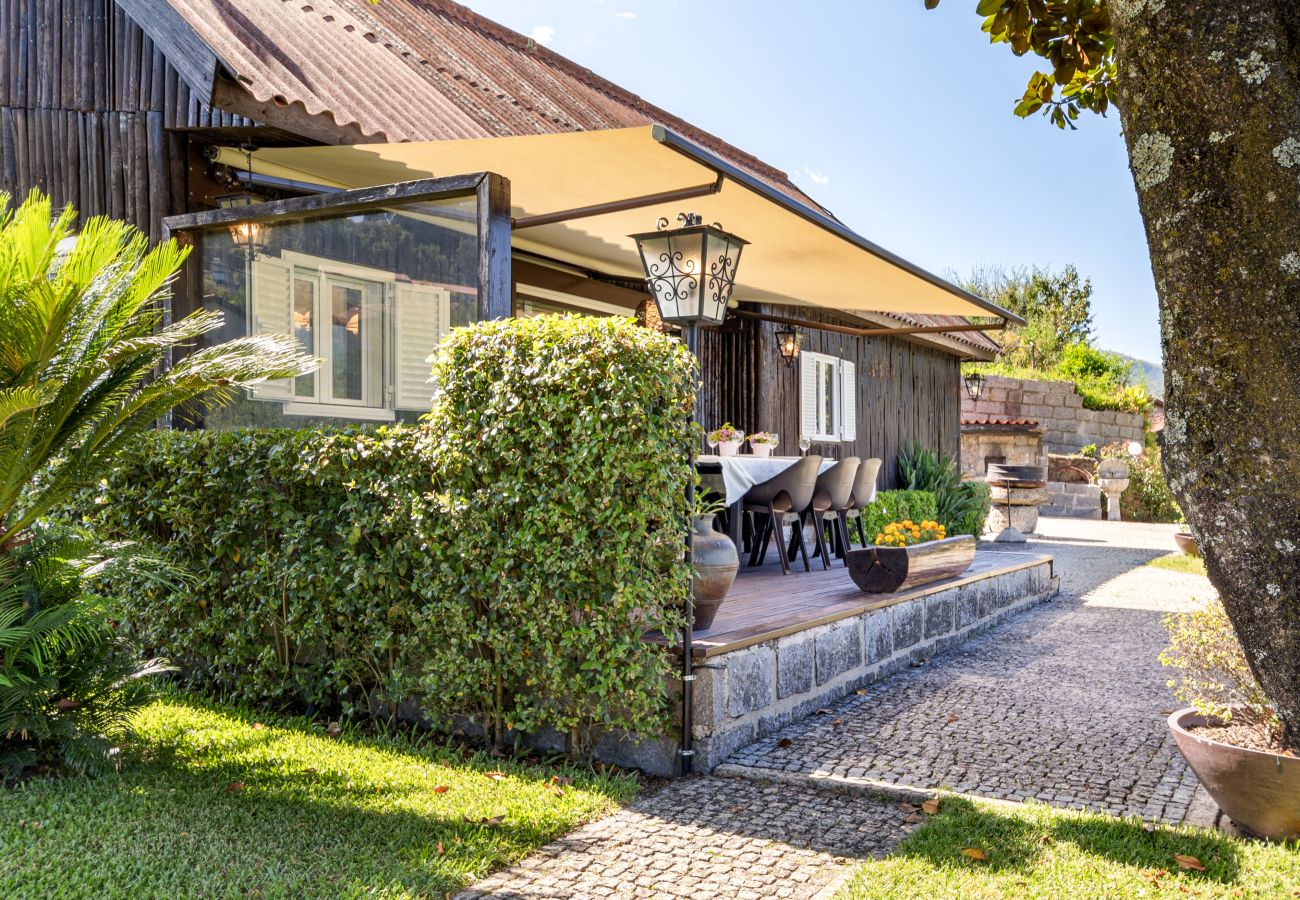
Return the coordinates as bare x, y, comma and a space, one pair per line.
728, 438
762, 443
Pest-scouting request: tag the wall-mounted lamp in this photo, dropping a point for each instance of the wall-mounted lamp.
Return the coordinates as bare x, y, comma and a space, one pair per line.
248, 236
974, 385
788, 342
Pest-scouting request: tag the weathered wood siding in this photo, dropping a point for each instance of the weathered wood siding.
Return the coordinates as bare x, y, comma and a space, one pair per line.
86, 104
906, 391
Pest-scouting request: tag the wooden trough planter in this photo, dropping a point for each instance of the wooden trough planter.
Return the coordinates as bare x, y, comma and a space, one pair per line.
883, 570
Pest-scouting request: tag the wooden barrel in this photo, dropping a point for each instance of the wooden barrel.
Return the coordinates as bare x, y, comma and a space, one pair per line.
883, 570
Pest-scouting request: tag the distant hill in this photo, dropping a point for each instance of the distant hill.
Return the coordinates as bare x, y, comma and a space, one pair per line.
1148, 373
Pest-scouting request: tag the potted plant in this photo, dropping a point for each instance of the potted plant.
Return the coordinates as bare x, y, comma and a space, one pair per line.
728, 439
1230, 734
907, 554
715, 561
1186, 541
763, 442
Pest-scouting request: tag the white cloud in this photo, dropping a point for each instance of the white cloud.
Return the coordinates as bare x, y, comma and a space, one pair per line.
627, 14
814, 176
542, 33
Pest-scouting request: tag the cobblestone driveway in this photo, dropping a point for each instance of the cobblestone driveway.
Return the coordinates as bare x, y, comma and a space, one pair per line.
1065, 703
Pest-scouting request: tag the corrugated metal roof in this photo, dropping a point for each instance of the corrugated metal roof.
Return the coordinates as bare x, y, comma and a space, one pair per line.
422, 70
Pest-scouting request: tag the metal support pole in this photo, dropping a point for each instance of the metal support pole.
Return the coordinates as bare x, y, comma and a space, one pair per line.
686, 753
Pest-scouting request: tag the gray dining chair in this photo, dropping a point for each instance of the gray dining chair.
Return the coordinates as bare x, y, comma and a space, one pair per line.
777, 502
832, 497
864, 494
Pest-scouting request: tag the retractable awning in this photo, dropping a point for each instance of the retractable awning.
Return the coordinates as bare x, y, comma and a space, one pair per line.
796, 255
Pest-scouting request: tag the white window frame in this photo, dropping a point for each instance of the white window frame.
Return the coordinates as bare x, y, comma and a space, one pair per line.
822, 368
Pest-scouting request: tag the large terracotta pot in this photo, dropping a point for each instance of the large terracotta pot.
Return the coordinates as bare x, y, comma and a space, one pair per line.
716, 564
1187, 543
1259, 791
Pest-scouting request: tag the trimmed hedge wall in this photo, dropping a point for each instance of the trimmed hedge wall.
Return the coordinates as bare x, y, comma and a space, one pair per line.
980, 504
498, 563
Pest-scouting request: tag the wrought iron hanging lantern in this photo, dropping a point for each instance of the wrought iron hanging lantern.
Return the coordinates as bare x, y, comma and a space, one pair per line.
691, 270
974, 385
251, 237
788, 342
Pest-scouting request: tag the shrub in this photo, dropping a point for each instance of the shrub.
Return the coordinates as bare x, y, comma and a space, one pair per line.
976, 501
922, 469
1213, 674
897, 506
498, 563
1148, 498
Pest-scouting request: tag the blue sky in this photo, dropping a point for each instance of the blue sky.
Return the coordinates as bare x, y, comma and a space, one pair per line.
896, 119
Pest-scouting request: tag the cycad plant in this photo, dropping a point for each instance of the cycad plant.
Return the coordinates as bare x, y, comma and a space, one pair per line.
83, 352
83, 344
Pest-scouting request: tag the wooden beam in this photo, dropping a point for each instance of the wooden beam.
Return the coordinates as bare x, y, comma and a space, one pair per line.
870, 332
494, 279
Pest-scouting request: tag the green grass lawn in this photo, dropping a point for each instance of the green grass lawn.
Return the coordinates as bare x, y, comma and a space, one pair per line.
1037, 851
1179, 562
213, 803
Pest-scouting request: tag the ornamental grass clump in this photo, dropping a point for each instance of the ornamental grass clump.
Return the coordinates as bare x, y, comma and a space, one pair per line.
906, 533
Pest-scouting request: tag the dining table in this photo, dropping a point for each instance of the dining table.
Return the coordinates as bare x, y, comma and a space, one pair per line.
731, 477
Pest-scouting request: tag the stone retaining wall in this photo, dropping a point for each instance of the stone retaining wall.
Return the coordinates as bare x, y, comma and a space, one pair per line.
750, 693
1075, 501
1055, 405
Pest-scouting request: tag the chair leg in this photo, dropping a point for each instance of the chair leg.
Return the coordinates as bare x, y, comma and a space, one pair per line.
803, 547
757, 540
862, 530
778, 531
842, 535
821, 541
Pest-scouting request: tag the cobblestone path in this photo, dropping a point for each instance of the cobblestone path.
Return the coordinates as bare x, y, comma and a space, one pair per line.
708, 837
1065, 703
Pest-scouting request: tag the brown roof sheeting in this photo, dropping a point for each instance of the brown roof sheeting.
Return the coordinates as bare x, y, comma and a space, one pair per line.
423, 70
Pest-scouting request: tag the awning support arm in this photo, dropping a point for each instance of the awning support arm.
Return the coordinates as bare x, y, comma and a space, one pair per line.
613, 206
870, 332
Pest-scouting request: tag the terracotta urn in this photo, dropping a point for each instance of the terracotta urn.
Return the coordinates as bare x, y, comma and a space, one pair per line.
716, 564
1187, 543
1259, 791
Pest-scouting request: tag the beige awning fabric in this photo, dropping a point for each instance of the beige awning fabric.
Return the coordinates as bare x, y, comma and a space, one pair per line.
796, 255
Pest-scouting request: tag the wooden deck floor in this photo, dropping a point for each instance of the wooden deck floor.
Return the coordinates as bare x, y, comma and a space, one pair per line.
764, 604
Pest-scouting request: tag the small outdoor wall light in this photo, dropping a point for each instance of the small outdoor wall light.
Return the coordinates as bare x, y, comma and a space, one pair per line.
691, 270
974, 385
788, 343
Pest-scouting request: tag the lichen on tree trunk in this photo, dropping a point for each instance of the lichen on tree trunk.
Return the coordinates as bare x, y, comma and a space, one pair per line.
1210, 99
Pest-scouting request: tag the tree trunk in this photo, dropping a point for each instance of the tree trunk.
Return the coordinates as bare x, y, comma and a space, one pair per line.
1210, 97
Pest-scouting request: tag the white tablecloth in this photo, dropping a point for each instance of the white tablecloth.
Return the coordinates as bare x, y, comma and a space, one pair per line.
743, 471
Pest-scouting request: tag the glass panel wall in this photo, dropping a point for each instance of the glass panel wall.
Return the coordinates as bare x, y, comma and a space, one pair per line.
369, 293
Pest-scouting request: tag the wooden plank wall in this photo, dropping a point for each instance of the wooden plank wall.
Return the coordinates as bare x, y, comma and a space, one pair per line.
906, 391
86, 104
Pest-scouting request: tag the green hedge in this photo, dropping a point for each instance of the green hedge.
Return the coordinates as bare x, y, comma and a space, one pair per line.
977, 500
895, 506
499, 563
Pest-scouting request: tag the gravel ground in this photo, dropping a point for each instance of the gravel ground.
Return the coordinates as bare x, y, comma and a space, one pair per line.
1064, 703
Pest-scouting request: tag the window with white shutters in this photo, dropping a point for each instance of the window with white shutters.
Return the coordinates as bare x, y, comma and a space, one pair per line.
827, 397
372, 334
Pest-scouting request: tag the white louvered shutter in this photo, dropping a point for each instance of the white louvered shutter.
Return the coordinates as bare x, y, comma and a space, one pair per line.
848, 401
421, 316
271, 312
807, 395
